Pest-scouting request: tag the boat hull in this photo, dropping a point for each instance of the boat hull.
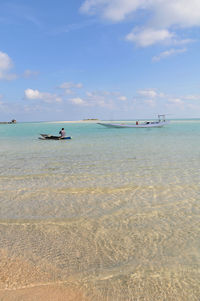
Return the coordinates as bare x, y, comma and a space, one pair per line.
51, 137
142, 125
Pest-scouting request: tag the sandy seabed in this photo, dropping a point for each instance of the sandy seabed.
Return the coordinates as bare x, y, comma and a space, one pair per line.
43, 293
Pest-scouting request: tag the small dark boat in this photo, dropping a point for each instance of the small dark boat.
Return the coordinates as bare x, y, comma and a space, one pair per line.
51, 137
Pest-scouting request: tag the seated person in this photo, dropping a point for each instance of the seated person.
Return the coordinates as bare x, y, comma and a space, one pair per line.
62, 133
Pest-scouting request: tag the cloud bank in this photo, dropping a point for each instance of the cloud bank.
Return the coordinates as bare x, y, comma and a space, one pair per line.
161, 18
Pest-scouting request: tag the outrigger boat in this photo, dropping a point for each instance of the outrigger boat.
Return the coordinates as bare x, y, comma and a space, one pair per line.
147, 124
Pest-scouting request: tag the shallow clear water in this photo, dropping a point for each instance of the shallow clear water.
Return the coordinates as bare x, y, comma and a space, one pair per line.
113, 211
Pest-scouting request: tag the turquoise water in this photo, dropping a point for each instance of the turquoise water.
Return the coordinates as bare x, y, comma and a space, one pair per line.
114, 211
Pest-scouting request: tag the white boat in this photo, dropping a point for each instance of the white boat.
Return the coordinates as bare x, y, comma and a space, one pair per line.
147, 124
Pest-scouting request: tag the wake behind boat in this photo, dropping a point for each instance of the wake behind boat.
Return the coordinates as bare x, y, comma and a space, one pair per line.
147, 124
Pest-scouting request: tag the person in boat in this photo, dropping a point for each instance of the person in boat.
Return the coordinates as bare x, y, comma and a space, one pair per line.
62, 133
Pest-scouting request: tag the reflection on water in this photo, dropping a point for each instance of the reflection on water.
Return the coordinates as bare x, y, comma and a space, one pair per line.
112, 215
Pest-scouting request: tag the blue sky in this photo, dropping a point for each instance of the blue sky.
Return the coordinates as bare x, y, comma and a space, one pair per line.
106, 59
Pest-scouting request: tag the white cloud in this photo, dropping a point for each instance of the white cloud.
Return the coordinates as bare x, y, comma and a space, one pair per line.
123, 98
182, 13
165, 13
104, 99
192, 97
31, 94
97, 98
176, 101
150, 102
69, 86
30, 73
78, 101
168, 53
6, 65
114, 10
149, 36
150, 93
89, 94
5, 61
160, 16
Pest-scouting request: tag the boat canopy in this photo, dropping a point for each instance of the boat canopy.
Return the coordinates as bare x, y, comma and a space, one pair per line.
161, 117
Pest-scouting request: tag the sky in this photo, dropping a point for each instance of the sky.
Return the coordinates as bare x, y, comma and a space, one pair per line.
105, 59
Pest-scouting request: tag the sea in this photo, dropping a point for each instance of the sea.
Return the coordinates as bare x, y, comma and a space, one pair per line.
112, 213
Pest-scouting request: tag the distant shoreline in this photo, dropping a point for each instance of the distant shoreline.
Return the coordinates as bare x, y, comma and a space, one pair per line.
76, 121
176, 120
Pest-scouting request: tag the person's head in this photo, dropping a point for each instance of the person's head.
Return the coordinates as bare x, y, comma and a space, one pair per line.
62, 129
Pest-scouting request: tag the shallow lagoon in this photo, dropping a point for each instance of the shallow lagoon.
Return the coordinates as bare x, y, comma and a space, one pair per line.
112, 214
